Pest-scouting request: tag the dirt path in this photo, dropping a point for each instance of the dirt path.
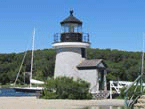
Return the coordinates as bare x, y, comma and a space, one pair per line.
34, 103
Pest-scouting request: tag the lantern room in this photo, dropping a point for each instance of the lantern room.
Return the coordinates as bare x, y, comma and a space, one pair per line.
71, 24
71, 29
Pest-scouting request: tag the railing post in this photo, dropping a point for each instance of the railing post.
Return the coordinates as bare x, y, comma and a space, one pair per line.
110, 89
57, 38
88, 38
126, 101
54, 37
141, 85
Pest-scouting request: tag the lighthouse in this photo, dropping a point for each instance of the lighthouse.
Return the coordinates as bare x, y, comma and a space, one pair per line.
71, 58
70, 47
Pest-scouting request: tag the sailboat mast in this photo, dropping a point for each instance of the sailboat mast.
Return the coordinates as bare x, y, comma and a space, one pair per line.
33, 38
142, 69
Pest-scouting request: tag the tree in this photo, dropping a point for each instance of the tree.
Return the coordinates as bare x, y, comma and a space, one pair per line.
66, 88
122, 65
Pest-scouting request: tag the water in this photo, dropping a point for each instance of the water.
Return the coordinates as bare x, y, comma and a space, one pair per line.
9, 92
104, 107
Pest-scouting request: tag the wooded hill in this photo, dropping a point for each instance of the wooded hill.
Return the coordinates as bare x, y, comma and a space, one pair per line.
122, 65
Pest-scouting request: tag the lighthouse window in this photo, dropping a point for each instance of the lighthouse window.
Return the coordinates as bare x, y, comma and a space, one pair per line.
83, 52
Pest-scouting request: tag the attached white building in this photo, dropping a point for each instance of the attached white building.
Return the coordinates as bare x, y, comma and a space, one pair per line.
94, 71
71, 55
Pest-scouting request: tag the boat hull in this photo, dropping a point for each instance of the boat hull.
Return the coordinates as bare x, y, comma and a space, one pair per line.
10, 92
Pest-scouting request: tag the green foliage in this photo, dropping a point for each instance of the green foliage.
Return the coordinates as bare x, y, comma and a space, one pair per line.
66, 88
122, 65
130, 92
43, 66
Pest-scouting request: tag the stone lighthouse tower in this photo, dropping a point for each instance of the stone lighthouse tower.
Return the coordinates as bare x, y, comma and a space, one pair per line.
70, 47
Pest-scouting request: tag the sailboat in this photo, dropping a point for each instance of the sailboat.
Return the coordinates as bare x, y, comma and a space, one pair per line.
24, 91
32, 81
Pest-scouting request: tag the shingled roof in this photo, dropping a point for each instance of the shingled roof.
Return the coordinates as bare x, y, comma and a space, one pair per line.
71, 19
90, 63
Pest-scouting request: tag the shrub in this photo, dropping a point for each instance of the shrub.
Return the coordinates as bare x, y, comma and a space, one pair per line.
66, 88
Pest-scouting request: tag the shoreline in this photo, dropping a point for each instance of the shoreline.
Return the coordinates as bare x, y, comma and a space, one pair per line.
34, 103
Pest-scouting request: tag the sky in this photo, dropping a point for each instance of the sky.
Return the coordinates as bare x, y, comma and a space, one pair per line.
114, 24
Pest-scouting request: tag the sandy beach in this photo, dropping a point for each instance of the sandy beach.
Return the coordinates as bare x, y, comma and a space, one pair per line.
34, 103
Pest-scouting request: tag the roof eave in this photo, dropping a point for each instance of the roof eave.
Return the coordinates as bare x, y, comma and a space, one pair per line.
65, 22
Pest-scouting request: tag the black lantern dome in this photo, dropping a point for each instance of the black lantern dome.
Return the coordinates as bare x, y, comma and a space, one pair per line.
71, 29
71, 19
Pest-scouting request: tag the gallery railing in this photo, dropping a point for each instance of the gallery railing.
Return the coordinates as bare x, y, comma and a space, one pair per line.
71, 37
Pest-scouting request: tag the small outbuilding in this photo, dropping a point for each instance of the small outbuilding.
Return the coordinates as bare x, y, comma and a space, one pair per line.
94, 71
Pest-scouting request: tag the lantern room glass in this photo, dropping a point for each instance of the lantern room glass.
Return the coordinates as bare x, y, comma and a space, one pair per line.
71, 28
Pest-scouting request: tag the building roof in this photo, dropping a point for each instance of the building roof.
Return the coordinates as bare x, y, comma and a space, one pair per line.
91, 63
71, 19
